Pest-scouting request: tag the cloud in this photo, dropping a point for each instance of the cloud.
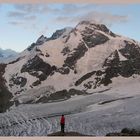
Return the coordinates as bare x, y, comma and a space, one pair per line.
105, 18
25, 15
72, 9
15, 23
34, 16
35, 8
15, 14
24, 10
74, 13
21, 16
73, 1
31, 16
99, 17
29, 8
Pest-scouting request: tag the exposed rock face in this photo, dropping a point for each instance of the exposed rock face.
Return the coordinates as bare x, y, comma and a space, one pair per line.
65, 51
93, 38
86, 76
73, 57
125, 132
131, 50
12, 62
5, 95
60, 96
57, 34
100, 27
60, 33
42, 39
64, 70
66, 134
126, 68
37, 64
19, 81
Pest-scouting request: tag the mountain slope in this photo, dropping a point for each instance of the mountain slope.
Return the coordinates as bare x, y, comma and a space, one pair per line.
85, 58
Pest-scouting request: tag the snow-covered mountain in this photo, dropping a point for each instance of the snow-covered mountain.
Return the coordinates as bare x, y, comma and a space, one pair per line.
7, 55
73, 61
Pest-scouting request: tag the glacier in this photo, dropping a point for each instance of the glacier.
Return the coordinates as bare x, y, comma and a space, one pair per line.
95, 114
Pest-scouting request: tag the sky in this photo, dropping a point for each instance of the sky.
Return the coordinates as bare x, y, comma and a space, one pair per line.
23, 24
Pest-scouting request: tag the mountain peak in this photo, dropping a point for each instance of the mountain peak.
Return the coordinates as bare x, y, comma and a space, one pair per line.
41, 40
61, 32
88, 22
93, 25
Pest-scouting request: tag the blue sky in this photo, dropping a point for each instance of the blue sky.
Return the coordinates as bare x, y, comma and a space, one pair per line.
22, 24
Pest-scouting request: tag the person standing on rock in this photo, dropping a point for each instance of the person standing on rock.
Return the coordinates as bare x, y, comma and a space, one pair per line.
62, 123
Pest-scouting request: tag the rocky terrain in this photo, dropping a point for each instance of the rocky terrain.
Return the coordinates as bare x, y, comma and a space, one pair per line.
125, 132
5, 95
57, 134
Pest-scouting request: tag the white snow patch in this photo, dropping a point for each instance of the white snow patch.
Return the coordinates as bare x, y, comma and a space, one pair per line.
122, 58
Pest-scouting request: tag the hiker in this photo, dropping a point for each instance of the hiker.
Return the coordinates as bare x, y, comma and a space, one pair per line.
62, 123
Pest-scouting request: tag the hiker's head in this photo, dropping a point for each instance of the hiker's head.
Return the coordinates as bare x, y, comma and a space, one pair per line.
62, 115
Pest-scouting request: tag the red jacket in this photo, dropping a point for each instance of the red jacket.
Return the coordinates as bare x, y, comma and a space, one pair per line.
62, 120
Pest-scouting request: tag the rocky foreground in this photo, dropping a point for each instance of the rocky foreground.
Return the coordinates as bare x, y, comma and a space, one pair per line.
66, 134
124, 132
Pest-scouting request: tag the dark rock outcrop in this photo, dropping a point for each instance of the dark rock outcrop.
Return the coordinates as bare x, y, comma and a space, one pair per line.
94, 38
125, 132
63, 70
5, 95
95, 26
58, 33
66, 134
37, 64
42, 39
75, 56
83, 78
60, 95
19, 81
65, 51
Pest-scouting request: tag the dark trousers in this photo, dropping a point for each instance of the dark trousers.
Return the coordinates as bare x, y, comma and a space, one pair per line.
62, 127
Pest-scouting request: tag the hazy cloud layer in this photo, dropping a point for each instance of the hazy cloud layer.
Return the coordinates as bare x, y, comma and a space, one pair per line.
29, 15
15, 23
0, 6
89, 12
72, 1
26, 16
105, 18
